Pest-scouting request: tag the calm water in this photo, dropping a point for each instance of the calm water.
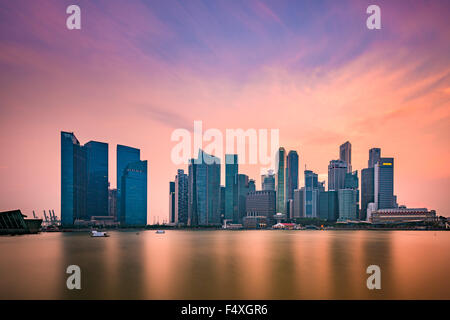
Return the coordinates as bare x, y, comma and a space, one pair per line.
227, 265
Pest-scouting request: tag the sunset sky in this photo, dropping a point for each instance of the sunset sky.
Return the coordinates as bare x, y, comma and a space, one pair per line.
138, 70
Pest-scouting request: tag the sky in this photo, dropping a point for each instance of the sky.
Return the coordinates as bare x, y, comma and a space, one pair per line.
138, 70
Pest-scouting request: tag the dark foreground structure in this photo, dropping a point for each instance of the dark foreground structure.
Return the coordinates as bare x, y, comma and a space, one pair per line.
13, 222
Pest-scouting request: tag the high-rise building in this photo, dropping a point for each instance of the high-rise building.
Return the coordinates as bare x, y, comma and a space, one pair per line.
367, 190
125, 155
242, 192
337, 170
345, 154
352, 182
112, 203
281, 163
97, 178
374, 156
231, 170
181, 197
384, 184
298, 205
73, 179
261, 203
268, 181
347, 204
204, 190
134, 194
172, 202
311, 194
291, 174
222, 203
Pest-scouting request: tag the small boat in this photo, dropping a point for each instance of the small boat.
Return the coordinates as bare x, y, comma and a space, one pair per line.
95, 233
160, 231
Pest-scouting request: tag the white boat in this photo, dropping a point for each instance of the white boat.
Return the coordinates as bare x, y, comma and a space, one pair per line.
160, 231
95, 233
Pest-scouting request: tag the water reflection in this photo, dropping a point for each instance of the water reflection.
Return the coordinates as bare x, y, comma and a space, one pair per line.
227, 265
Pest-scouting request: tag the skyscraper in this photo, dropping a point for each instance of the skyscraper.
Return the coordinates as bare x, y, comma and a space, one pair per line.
204, 190
337, 169
298, 205
374, 156
181, 197
242, 192
112, 203
281, 163
172, 202
73, 179
347, 204
134, 194
97, 178
84, 179
291, 174
384, 183
231, 170
125, 156
367, 190
345, 154
251, 185
268, 181
311, 194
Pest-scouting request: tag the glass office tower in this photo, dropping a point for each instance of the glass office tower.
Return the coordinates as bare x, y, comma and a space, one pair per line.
204, 190
291, 174
97, 178
384, 184
125, 156
281, 163
231, 170
134, 194
311, 194
73, 179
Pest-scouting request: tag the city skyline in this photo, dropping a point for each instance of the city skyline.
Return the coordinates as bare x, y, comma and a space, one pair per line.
313, 71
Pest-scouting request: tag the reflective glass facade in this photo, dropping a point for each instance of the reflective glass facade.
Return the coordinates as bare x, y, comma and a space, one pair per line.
134, 194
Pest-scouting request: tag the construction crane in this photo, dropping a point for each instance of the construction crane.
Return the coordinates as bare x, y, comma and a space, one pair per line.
34, 215
45, 216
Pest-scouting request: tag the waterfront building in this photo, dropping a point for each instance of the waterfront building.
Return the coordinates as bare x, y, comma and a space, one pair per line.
345, 154
261, 203
311, 195
268, 181
347, 204
112, 203
367, 190
73, 179
384, 183
333, 205
96, 179
255, 222
172, 218
124, 155
231, 170
181, 197
222, 203
399, 215
337, 170
134, 194
298, 204
242, 192
291, 174
204, 190
281, 163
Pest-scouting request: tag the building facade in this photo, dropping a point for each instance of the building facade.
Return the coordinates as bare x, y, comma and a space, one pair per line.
124, 156
134, 195
345, 154
384, 184
181, 197
281, 166
231, 170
